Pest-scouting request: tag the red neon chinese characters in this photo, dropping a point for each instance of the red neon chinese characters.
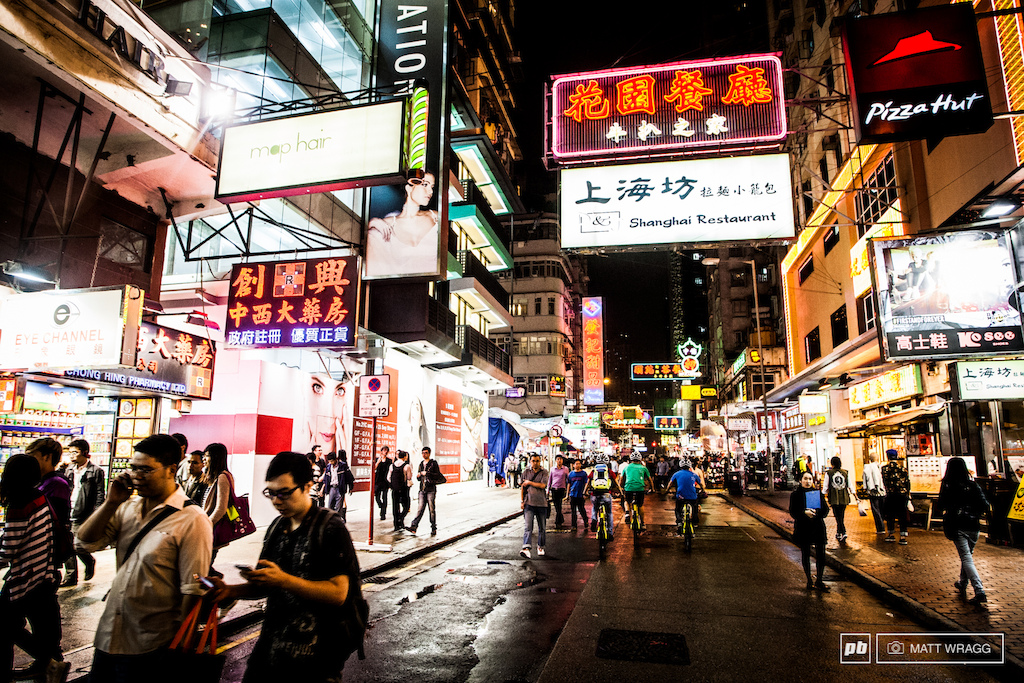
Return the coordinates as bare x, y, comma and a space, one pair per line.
747, 86
588, 102
636, 95
330, 273
688, 90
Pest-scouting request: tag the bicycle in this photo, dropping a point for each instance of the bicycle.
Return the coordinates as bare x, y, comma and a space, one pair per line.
686, 525
602, 529
634, 522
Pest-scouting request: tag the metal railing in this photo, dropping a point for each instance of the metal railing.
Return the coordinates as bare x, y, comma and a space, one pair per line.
471, 340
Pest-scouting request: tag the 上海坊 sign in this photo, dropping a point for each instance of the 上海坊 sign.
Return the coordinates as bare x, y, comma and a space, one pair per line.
69, 328
916, 75
322, 152
987, 380
311, 303
667, 109
949, 295
677, 202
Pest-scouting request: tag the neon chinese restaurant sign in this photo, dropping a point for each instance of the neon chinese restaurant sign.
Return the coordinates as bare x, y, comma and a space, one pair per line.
593, 351
901, 383
667, 109
309, 303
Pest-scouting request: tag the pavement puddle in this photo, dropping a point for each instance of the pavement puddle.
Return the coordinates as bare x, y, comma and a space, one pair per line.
413, 597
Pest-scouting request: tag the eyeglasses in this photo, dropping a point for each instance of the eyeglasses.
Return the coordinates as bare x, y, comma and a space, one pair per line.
420, 181
282, 494
141, 470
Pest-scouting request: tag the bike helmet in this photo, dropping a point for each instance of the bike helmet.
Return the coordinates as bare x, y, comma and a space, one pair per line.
601, 459
635, 457
685, 463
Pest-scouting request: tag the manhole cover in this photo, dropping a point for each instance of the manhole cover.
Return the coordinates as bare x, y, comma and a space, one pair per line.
379, 579
643, 646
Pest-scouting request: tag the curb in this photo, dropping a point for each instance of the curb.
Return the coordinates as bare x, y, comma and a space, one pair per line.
925, 615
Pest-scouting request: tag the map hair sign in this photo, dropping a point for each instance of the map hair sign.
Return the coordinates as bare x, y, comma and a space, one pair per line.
916, 75
678, 202
667, 109
352, 147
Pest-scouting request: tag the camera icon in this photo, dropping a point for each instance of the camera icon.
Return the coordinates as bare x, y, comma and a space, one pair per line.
894, 647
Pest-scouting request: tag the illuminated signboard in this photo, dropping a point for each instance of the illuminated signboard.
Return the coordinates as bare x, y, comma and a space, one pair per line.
916, 75
593, 351
792, 420
667, 109
889, 225
583, 420
946, 296
996, 380
515, 392
813, 404
664, 371
692, 392
677, 202
351, 147
626, 417
901, 383
556, 386
668, 422
169, 362
308, 303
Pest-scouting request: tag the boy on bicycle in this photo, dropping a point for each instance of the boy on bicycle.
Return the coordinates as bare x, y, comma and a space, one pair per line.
600, 485
636, 480
686, 484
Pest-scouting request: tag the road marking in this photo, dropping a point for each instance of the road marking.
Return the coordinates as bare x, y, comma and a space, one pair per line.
236, 643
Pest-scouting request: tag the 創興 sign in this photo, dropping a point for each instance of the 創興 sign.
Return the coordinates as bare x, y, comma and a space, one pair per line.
667, 109
70, 328
916, 75
677, 202
352, 147
987, 380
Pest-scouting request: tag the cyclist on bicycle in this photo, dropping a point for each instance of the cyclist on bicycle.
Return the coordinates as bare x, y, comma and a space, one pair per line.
600, 484
686, 484
636, 480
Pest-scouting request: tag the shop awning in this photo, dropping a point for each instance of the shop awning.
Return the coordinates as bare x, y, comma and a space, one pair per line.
888, 423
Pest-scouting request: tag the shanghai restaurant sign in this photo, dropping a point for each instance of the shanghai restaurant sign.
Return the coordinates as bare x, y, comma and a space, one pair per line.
308, 303
917, 75
667, 109
351, 147
677, 202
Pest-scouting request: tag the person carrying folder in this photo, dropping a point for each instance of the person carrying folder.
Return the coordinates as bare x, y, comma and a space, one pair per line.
808, 508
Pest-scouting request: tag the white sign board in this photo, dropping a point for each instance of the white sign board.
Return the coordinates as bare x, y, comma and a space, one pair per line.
678, 202
740, 424
352, 147
71, 328
996, 380
373, 395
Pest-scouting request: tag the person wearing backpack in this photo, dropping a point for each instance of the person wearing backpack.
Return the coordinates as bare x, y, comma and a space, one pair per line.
840, 494
29, 589
308, 571
400, 480
961, 505
897, 497
600, 485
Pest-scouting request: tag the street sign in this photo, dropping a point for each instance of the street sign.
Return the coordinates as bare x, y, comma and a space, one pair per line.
373, 395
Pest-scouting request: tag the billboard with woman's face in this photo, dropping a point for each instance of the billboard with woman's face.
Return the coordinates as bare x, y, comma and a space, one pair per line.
403, 237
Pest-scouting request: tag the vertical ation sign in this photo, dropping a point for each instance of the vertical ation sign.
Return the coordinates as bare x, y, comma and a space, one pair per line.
593, 351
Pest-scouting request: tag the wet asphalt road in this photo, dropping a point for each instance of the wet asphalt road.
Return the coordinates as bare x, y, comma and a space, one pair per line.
476, 611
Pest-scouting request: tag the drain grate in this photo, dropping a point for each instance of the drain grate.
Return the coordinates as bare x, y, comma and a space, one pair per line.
379, 579
643, 646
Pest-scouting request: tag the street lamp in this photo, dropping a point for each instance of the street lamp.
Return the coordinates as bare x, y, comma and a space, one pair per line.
712, 261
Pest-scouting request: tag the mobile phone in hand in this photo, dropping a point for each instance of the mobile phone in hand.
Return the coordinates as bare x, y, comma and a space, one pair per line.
243, 567
206, 583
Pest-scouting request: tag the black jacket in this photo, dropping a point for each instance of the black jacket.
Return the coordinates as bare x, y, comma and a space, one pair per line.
961, 507
91, 494
807, 529
380, 475
425, 484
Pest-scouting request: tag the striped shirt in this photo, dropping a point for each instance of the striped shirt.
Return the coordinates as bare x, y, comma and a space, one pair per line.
27, 543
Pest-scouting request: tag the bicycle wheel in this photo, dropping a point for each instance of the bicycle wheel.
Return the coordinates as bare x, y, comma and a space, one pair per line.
635, 523
602, 538
688, 530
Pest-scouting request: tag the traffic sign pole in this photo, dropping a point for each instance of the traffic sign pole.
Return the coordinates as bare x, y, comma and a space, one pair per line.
373, 478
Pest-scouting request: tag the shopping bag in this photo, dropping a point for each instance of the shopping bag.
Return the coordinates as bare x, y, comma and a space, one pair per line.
235, 524
862, 507
910, 506
194, 664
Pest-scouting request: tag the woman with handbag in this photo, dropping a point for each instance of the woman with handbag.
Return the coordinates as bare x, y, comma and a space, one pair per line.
962, 504
220, 487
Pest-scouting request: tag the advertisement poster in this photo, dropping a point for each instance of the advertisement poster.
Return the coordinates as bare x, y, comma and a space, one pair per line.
448, 444
473, 421
363, 457
926, 473
327, 416
946, 296
403, 235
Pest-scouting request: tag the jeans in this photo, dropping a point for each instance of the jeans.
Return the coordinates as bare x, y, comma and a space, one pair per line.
604, 500
336, 502
40, 608
427, 499
539, 513
400, 504
557, 496
876, 513
71, 564
576, 505
819, 556
381, 496
964, 543
839, 512
896, 511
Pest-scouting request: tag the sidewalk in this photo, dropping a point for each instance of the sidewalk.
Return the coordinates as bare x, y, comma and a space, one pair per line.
919, 576
462, 509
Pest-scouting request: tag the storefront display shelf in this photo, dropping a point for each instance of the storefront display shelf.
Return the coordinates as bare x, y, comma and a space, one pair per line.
42, 430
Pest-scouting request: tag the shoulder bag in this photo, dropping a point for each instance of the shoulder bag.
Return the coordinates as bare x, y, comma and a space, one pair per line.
434, 475
236, 522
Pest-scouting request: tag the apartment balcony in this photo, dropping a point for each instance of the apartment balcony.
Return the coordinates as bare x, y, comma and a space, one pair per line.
419, 324
481, 290
483, 362
488, 237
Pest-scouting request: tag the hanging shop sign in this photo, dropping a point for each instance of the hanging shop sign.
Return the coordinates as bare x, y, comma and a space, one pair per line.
311, 303
793, 420
677, 202
70, 328
556, 386
515, 392
695, 392
667, 109
946, 296
583, 420
916, 75
639, 372
768, 424
996, 380
593, 351
169, 362
736, 424
813, 404
667, 422
901, 383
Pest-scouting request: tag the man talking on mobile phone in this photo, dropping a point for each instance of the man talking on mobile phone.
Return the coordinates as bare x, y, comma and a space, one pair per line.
163, 542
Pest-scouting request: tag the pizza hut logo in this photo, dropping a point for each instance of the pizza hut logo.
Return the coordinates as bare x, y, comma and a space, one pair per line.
921, 44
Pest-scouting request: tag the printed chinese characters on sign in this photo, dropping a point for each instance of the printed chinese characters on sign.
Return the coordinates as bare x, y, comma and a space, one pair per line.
667, 108
300, 303
593, 351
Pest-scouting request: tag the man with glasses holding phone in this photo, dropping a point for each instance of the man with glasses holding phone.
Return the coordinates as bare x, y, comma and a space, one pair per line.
309, 573
164, 542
